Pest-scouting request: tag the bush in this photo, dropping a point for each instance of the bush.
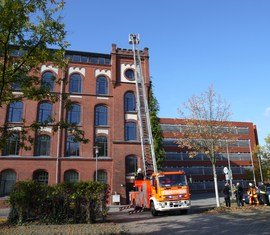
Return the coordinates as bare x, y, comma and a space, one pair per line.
82, 202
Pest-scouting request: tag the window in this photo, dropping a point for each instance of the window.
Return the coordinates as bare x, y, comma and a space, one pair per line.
15, 111
74, 114
44, 112
43, 145
48, 80
41, 176
131, 165
12, 146
101, 115
16, 86
101, 176
71, 176
242, 130
130, 131
75, 85
102, 86
129, 74
72, 147
130, 103
101, 142
7, 180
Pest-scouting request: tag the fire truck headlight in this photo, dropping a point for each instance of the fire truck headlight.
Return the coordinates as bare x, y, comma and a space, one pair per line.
161, 204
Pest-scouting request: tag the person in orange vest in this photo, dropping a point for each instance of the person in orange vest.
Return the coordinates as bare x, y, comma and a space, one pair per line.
252, 193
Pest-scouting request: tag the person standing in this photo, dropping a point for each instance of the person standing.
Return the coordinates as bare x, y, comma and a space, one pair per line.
262, 194
239, 194
227, 195
252, 193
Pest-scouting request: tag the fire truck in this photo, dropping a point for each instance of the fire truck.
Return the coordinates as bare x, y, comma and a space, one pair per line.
157, 191
163, 192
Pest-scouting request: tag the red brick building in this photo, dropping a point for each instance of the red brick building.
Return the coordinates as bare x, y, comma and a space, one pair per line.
102, 90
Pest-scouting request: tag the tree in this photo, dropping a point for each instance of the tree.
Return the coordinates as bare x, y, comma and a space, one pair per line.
204, 117
263, 154
156, 128
28, 28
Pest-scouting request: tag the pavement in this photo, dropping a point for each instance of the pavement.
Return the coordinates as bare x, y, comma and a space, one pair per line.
199, 202
249, 220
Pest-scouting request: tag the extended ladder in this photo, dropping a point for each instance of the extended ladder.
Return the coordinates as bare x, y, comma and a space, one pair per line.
146, 138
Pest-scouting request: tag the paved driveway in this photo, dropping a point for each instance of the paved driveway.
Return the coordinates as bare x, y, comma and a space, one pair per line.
197, 221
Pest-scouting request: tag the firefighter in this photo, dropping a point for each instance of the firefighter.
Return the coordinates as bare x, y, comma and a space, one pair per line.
252, 193
139, 175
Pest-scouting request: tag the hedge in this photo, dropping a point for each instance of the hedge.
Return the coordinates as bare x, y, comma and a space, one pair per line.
82, 202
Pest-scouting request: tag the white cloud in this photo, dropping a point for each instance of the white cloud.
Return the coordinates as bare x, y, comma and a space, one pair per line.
267, 112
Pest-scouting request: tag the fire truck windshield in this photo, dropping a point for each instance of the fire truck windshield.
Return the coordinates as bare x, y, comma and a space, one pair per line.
172, 180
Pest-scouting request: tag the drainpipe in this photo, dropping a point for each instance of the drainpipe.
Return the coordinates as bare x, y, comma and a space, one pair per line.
59, 131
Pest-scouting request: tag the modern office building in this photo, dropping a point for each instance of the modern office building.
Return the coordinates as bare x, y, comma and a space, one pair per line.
101, 88
235, 153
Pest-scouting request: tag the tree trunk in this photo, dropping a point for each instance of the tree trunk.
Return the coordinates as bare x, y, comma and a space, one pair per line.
216, 185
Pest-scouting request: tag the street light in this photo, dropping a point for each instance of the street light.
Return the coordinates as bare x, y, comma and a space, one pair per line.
251, 157
230, 176
96, 154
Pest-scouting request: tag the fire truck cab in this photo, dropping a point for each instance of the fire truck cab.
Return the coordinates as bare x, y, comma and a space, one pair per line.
164, 191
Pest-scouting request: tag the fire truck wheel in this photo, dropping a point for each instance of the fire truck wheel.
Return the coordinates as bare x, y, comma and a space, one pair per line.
152, 208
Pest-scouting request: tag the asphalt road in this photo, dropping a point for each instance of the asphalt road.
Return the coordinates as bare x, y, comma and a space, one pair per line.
197, 221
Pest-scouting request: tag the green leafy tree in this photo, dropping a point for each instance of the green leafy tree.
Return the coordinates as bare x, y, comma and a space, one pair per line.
156, 128
263, 166
28, 28
204, 117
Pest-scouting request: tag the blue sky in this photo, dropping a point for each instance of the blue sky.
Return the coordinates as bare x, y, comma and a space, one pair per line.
192, 44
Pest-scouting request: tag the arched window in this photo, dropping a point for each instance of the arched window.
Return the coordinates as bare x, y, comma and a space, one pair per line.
130, 103
130, 131
71, 176
74, 114
131, 165
101, 176
102, 86
7, 180
101, 142
12, 146
72, 147
15, 112
48, 80
75, 85
101, 115
41, 176
43, 145
45, 112
129, 74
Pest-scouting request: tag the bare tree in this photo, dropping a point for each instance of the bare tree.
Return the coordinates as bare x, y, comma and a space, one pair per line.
205, 117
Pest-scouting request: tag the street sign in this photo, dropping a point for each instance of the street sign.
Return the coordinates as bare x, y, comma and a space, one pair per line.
225, 170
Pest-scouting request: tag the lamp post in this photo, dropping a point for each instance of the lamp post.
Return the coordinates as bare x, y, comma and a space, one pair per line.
252, 163
260, 166
229, 165
96, 154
